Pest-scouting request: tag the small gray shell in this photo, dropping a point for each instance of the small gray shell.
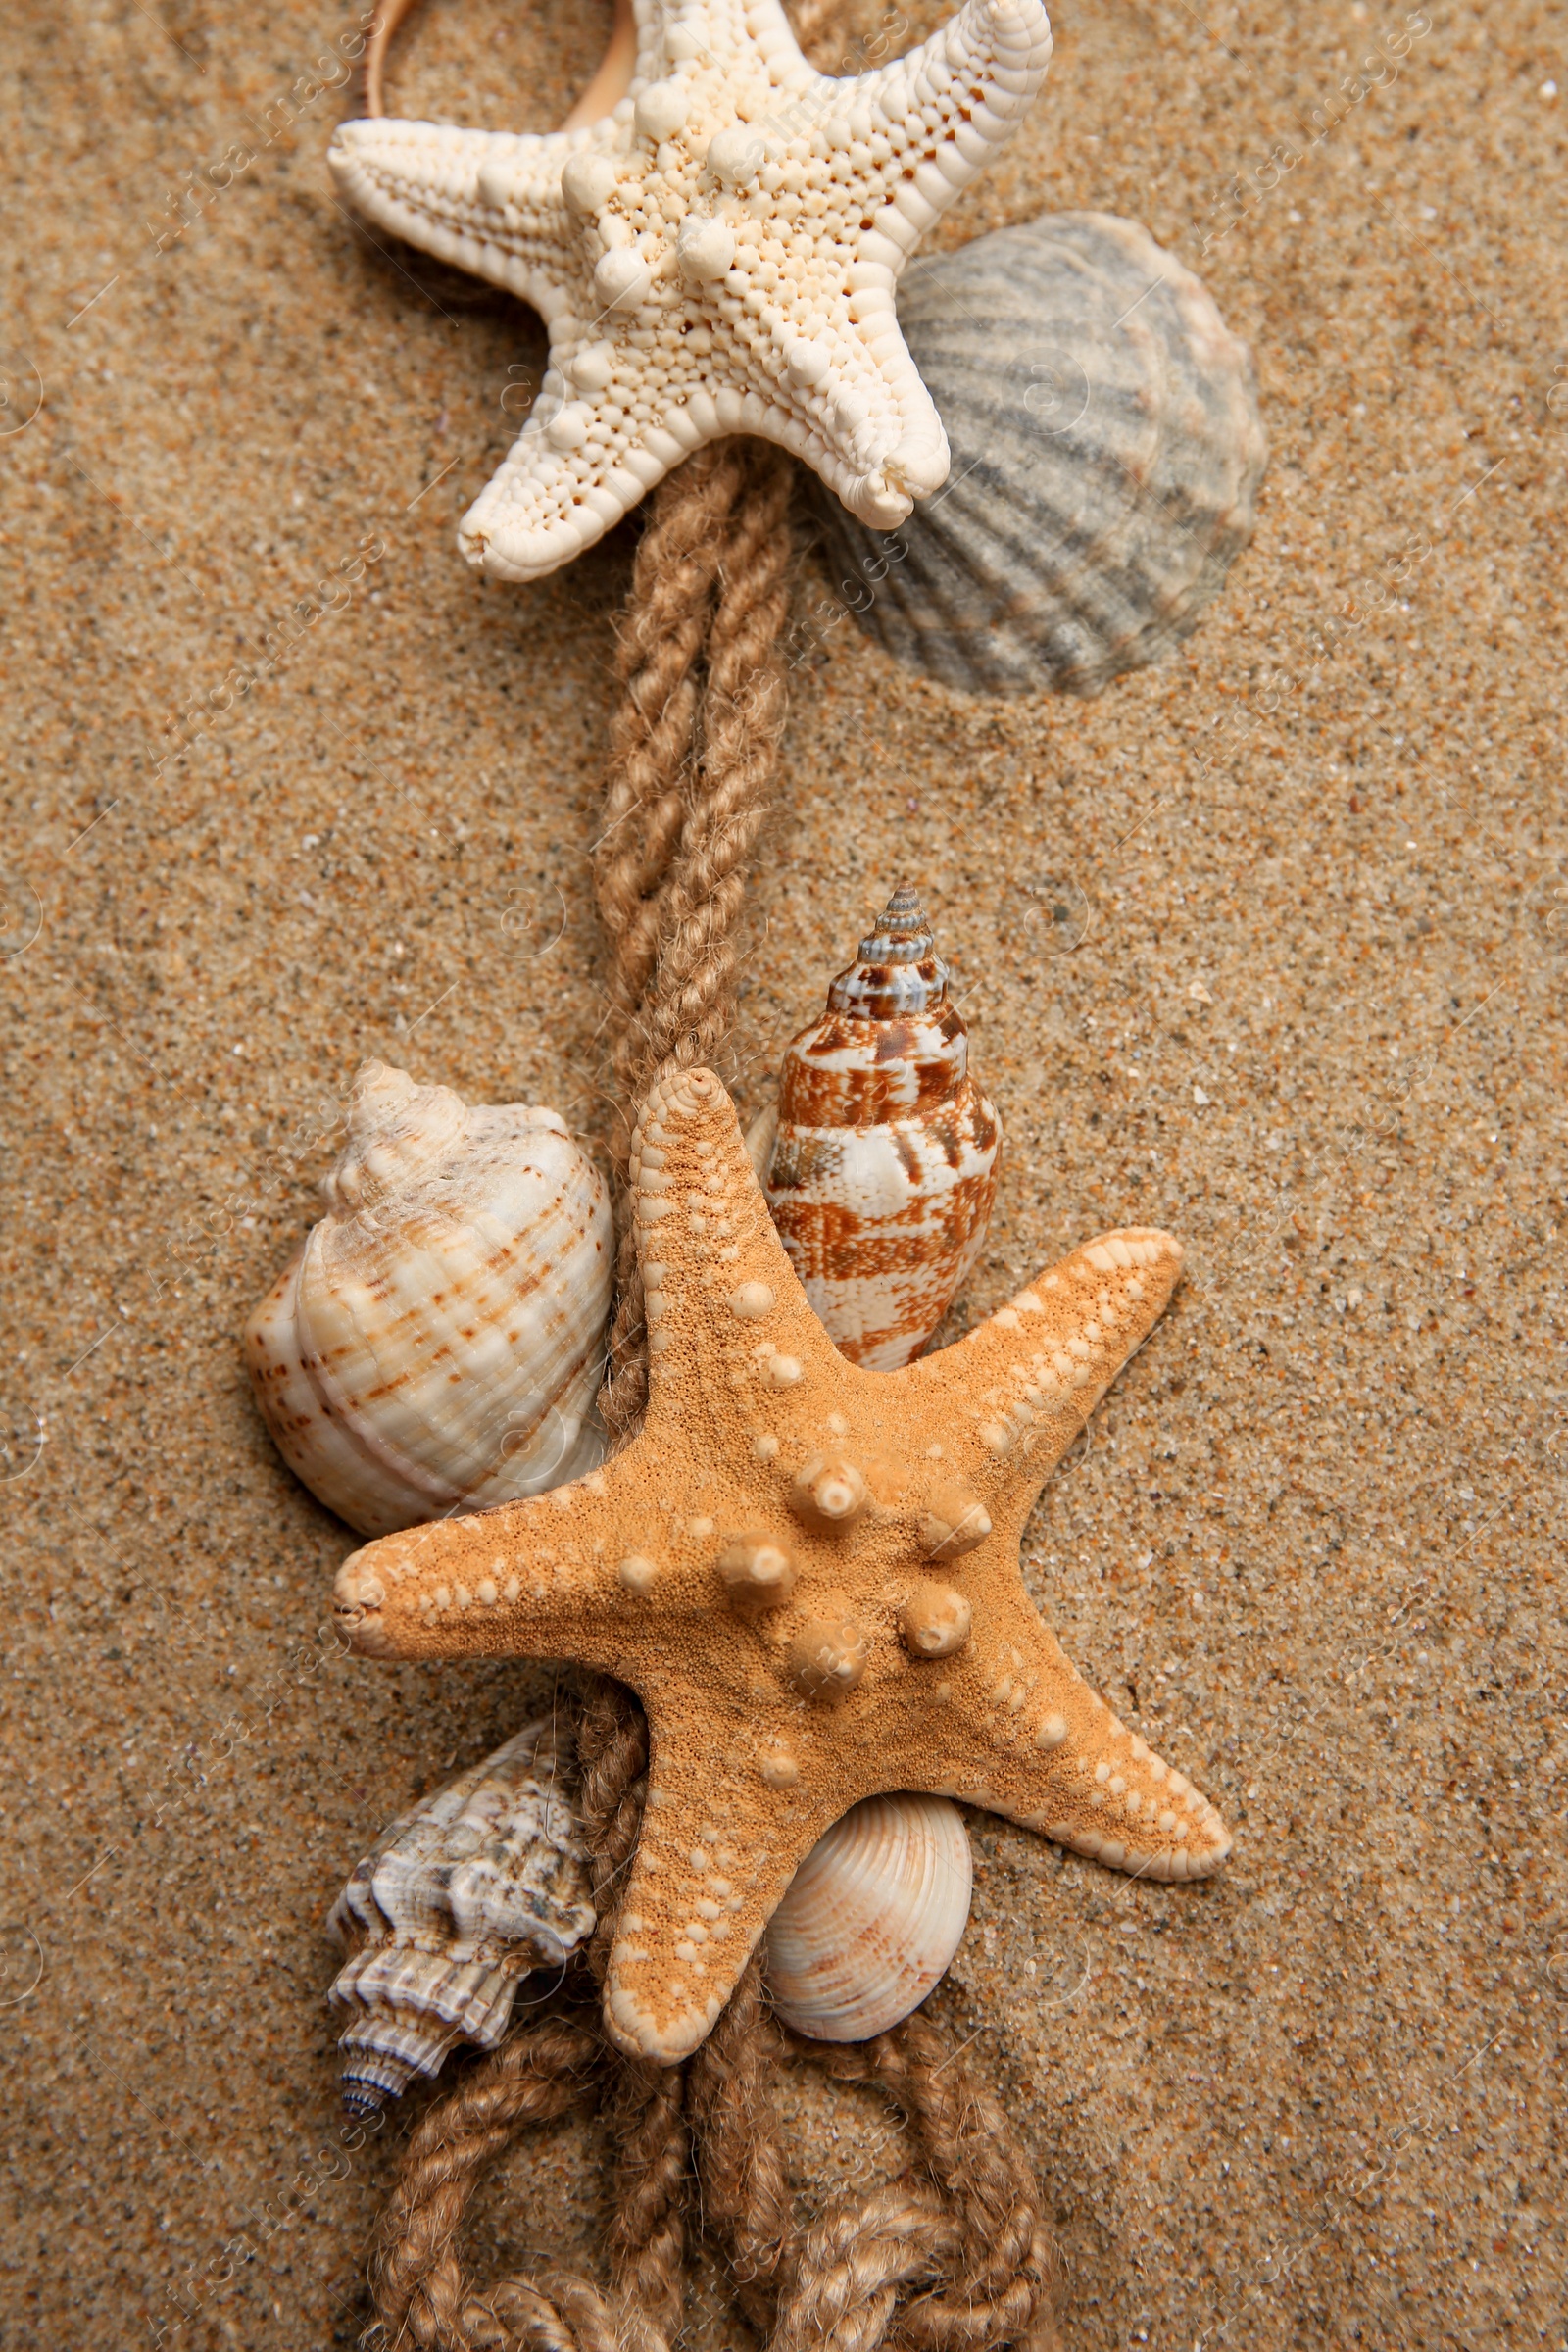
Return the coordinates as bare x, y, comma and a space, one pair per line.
1106, 453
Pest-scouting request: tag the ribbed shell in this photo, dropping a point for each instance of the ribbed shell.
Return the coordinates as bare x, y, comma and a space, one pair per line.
873, 1918
1107, 453
436, 1344
882, 1169
464, 1894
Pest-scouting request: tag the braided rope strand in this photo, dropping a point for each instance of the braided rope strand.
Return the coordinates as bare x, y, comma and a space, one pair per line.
536, 2076
675, 942
654, 731
958, 2260
1003, 2279
739, 2154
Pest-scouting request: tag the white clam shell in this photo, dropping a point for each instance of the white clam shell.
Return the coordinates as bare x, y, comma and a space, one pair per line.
457, 1899
873, 1918
436, 1344
1106, 453
880, 1169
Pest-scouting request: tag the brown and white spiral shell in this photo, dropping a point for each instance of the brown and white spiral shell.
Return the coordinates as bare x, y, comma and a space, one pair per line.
880, 1170
457, 1901
436, 1344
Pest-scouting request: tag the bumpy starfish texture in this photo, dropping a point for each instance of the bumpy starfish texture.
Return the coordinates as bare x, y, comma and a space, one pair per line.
717, 255
807, 1572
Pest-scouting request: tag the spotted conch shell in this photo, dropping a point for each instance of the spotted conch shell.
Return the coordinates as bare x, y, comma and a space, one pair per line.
455, 1903
436, 1344
873, 1918
880, 1165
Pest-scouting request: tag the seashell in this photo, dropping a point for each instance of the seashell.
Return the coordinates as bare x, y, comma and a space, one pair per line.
457, 1900
1106, 453
436, 1344
881, 1167
873, 1918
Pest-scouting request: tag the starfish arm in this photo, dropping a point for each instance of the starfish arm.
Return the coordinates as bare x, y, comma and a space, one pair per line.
944, 110
581, 462
653, 18
571, 476
729, 1327
917, 132
536, 1579
1023, 1382
730, 33
871, 432
710, 1870
486, 201
1024, 1734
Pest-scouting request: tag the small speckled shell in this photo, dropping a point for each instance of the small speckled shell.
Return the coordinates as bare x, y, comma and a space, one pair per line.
462, 1895
1106, 453
436, 1344
882, 1168
873, 1918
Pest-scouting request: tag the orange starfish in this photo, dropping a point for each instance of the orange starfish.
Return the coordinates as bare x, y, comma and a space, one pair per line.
807, 1572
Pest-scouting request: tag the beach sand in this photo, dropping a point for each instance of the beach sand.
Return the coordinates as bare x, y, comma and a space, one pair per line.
1312, 1545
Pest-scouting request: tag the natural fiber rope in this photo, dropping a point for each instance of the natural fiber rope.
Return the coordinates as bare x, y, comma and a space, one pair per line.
693, 753
970, 2237
534, 2076
1000, 2278
694, 749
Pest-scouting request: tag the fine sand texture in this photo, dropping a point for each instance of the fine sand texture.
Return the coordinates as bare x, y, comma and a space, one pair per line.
1267, 946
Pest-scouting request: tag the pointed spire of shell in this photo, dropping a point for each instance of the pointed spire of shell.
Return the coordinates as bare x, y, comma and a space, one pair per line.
397, 1129
882, 1167
897, 972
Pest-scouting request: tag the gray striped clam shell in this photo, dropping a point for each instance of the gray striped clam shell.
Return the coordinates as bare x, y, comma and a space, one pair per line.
1107, 454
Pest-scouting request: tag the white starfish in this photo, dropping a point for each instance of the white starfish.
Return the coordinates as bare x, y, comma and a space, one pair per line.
716, 255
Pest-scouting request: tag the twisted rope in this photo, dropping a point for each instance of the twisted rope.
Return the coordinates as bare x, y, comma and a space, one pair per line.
996, 2273
957, 2258
536, 2076
694, 750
